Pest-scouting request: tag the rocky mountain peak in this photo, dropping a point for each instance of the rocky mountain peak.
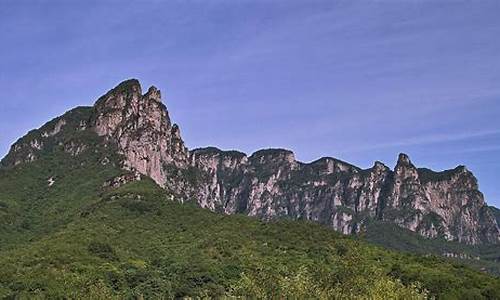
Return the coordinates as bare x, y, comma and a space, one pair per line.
127, 87
403, 160
128, 95
405, 171
271, 182
153, 93
379, 166
275, 154
141, 127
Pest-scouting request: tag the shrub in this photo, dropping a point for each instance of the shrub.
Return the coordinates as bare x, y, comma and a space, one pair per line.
102, 250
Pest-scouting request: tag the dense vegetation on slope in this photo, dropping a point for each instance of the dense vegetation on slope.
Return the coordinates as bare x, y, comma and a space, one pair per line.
66, 234
76, 239
388, 235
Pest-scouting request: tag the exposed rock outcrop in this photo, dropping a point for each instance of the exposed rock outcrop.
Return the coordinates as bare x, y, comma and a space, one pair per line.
270, 183
141, 127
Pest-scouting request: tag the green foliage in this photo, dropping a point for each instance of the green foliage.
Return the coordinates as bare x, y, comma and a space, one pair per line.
426, 175
102, 250
214, 150
391, 236
78, 240
344, 281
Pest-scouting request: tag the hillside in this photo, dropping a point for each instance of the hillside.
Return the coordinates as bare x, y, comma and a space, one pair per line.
270, 183
78, 239
107, 202
390, 236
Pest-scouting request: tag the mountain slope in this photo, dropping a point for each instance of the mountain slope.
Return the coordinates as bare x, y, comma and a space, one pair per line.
40, 196
136, 241
496, 213
104, 202
390, 236
270, 183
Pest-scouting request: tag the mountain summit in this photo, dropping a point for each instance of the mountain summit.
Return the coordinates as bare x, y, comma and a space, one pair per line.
141, 127
268, 184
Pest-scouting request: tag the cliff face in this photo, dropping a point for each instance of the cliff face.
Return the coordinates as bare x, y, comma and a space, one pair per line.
270, 183
141, 127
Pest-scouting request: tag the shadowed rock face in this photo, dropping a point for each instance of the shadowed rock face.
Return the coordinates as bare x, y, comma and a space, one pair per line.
271, 183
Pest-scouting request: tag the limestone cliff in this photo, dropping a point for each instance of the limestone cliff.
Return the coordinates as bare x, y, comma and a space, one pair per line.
141, 127
269, 183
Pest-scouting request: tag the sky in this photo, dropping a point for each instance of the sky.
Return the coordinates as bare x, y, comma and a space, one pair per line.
357, 80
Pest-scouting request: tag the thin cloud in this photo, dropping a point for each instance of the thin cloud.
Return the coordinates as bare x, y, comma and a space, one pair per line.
491, 148
427, 139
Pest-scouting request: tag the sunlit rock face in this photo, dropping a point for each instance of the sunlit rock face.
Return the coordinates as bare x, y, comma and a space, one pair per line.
141, 127
439, 204
454, 196
270, 183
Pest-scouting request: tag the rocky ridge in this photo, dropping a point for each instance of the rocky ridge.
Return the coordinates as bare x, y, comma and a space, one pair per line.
270, 183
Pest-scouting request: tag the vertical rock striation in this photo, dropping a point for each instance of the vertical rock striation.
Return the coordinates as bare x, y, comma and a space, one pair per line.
141, 127
270, 183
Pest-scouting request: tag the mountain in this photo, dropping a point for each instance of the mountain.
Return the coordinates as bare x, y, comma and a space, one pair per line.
496, 213
103, 202
134, 242
270, 183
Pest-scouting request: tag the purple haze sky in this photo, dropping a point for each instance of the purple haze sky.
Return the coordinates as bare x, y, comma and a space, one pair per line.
357, 80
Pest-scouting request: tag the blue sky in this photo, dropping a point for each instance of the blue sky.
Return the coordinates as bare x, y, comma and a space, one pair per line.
357, 80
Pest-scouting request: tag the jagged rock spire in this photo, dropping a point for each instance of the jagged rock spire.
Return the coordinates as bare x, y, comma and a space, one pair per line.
153, 93
403, 160
141, 127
